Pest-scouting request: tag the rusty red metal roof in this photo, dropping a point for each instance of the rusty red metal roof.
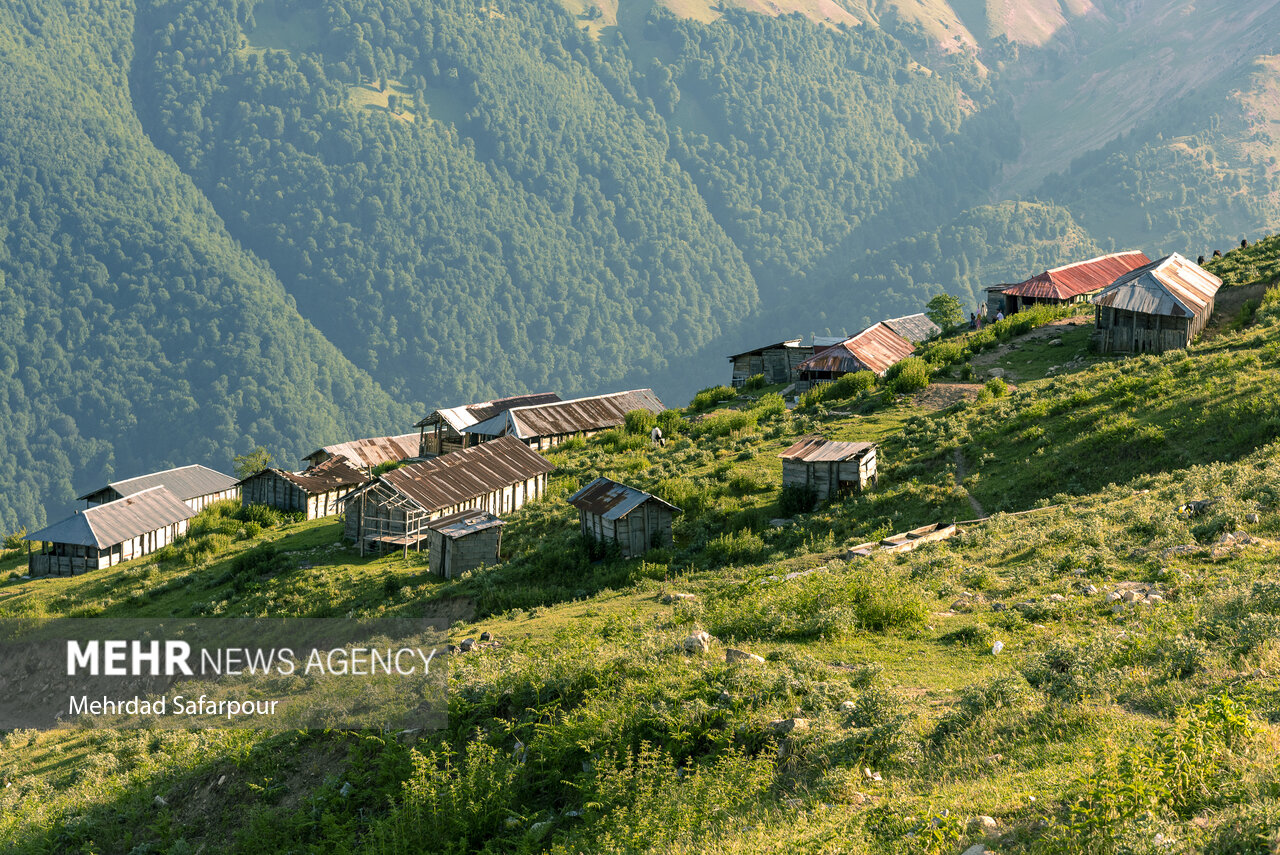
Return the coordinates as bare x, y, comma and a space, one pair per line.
1173, 286
468, 474
611, 500
1082, 277
332, 474
568, 417
369, 452
815, 449
874, 349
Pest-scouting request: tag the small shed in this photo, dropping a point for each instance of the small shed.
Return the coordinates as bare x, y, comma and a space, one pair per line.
464, 541
875, 349
196, 485
615, 513
828, 467
1161, 306
316, 491
442, 431
779, 363
1071, 283
104, 535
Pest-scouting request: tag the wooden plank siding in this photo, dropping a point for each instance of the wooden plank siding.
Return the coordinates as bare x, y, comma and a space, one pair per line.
830, 477
1122, 331
64, 559
273, 490
450, 557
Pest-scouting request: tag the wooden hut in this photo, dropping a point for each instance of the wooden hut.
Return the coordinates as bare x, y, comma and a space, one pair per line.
196, 485
107, 534
396, 508
1160, 306
875, 349
442, 431
615, 513
317, 491
368, 453
1071, 283
464, 541
829, 467
547, 425
779, 363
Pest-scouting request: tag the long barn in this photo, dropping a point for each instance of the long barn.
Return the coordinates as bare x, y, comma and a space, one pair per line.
443, 430
317, 491
395, 509
198, 486
104, 535
548, 425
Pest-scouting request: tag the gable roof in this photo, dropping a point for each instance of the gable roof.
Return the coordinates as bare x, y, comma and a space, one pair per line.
185, 482
370, 452
1081, 277
791, 342
464, 523
565, 417
613, 501
332, 474
470, 414
115, 522
875, 349
914, 328
465, 475
815, 449
1174, 286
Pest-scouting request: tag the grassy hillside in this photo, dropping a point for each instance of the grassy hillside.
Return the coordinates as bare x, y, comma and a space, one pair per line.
137, 333
882, 717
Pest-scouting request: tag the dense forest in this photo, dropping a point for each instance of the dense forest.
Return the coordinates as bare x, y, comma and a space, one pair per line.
231, 223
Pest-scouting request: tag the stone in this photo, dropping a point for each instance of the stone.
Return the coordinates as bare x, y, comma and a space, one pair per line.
467, 645
486, 636
784, 726
872, 776
975, 849
778, 522
848, 706
511, 822
1091, 589
1252, 519
1153, 599
962, 605
984, 825
699, 642
1057, 598
159, 801
732, 654
860, 798
1130, 596
1114, 596
995, 372
996, 648
1055, 342
346, 789
998, 607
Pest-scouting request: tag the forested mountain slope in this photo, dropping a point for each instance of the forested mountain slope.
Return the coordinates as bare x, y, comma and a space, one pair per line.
136, 333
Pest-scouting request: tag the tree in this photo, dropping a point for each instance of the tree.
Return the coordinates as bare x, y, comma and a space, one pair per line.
252, 462
945, 311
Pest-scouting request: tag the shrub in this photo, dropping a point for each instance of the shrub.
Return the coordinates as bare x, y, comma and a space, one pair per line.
997, 387
811, 398
909, 375
711, 396
769, 406
14, 540
264, 515
966, 372
755, 381
672, 422
848, 385
640, 422
797, 499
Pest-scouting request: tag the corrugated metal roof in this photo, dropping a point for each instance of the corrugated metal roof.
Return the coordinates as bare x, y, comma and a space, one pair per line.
370, 452
791, 342
874, 349
613, 501
1174, 286
567, 417
464, 523
467, 474
815, 449
470, 414
115, 522
185, 482
1073, 280
914, 328
332, 474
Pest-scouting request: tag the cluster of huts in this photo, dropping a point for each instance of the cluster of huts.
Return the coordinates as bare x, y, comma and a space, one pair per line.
443, 488
822, 360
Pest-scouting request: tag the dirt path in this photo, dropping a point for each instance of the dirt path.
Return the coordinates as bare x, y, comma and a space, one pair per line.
978, 512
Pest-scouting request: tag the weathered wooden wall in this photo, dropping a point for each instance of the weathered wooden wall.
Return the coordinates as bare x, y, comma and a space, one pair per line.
452, 556
830, 476
1122, 331
66, 559
646, 527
